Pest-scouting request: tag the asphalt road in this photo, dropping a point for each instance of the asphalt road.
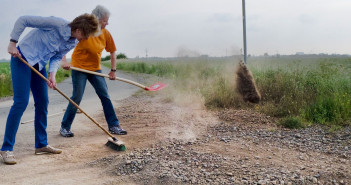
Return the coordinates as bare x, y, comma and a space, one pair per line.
91, 104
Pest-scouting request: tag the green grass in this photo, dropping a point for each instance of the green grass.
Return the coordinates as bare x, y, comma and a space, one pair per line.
292, 122
316, 90
6, 81
310, 90
62, 75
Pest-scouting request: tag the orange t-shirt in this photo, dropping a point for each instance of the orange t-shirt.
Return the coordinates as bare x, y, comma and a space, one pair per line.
87, 53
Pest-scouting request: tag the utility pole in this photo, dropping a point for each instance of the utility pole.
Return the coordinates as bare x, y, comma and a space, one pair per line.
146, 52
244, 31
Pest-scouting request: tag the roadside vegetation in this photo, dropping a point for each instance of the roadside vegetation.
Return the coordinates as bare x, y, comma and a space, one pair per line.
300, 91
119, 56
6, 82
316, 90
62, 74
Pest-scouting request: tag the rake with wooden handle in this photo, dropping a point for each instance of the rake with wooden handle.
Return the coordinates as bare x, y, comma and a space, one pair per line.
112, 142
155, 87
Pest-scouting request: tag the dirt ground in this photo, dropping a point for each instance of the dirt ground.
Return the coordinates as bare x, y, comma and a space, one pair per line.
179, 144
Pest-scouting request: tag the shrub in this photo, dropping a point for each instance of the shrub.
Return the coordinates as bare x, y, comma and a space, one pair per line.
291, 122
121, 56
106, 58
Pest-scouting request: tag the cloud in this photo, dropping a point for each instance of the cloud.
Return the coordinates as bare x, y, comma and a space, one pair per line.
206, 26
307, 19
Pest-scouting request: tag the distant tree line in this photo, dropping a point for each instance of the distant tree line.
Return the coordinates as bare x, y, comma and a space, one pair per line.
119, 56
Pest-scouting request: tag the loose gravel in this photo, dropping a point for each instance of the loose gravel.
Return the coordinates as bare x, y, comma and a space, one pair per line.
243, 148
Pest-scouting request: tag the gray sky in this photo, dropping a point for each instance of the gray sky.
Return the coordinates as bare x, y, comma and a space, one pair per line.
210, 27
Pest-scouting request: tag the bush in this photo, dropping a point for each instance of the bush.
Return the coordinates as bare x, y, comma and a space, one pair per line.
291, 122
121, 56
106, 58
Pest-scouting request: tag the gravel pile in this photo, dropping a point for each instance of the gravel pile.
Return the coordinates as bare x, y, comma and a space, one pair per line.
189, 162
315, 138
260, 128
176, 162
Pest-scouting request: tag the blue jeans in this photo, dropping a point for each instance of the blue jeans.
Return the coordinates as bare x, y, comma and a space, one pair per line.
79, 80
24, 80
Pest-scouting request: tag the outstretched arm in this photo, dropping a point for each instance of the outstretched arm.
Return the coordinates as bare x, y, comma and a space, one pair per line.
112, 73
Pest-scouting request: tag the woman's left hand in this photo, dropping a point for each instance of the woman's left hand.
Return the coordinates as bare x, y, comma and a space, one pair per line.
12, 50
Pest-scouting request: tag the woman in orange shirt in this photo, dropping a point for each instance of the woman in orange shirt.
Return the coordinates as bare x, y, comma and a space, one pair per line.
87, 55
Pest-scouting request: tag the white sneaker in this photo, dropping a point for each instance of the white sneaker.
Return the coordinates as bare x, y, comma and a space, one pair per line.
47, 150
8, 157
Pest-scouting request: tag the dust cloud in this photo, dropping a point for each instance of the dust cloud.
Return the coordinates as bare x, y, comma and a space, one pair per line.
186, 52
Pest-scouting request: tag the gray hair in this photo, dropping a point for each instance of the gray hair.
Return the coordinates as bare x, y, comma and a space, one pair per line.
101, 12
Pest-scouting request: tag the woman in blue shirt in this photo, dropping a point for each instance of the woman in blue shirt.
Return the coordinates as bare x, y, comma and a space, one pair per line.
50, 40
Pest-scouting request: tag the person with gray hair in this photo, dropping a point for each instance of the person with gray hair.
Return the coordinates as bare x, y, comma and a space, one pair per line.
87, 55
101, 12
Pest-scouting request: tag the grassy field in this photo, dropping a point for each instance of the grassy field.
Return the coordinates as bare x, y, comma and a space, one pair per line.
301, 91
6, 82
316, 90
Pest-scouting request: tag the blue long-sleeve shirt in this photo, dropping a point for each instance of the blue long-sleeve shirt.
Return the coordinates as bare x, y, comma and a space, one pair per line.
50, 40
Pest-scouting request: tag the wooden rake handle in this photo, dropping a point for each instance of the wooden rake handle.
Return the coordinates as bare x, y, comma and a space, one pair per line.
69, 99
25, 122
104, 75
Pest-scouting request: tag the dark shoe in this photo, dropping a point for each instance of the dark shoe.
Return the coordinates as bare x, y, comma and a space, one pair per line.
47, 150
66, 133
117, 130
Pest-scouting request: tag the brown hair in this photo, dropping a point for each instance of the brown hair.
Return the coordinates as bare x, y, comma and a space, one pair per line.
87, 23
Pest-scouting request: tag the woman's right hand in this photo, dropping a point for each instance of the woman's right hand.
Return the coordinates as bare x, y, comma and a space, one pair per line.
13, 51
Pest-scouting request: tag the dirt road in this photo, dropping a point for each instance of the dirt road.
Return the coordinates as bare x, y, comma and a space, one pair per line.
32, 169
181, 143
